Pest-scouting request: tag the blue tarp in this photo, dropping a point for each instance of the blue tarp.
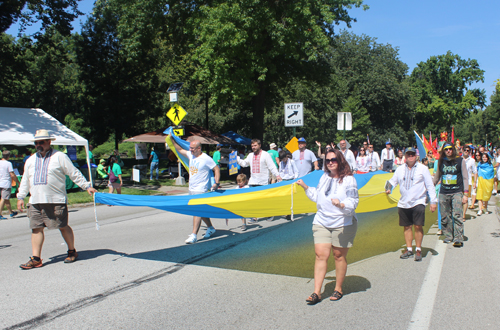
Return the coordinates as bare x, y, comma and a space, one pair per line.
238, 138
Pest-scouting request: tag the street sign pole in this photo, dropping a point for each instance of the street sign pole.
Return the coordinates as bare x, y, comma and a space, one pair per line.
176, 114
344, 123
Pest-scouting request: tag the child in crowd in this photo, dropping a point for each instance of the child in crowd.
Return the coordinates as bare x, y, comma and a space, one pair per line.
242, 182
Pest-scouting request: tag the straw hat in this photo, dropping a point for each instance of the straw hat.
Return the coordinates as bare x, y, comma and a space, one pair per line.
43, 134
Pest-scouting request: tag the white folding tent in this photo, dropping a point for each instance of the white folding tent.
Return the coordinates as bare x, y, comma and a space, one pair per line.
18, 127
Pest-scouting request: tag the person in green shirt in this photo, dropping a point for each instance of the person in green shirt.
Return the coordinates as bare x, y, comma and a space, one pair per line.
217, 157
101, 169
115, 176
91, 155
275, 157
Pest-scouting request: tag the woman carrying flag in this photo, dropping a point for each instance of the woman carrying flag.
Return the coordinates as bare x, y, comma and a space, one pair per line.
485, 173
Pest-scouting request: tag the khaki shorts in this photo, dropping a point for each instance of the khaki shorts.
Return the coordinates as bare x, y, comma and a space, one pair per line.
5, 193
342, 237
52, 216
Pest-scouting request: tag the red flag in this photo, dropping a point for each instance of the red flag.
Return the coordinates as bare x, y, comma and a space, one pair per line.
452, 134
435, 144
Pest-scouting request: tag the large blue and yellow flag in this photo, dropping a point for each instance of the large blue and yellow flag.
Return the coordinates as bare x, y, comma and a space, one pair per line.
278, 199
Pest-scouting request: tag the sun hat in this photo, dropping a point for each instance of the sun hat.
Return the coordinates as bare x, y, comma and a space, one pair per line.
272, 145
42, 134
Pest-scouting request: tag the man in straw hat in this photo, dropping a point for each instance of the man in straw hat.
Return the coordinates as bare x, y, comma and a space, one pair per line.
45, 179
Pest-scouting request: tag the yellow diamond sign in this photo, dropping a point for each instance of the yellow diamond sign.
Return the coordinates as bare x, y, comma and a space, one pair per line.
176, 114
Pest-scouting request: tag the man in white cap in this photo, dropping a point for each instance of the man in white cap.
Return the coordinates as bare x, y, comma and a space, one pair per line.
275, 157
304, 158
45, 179
415, 182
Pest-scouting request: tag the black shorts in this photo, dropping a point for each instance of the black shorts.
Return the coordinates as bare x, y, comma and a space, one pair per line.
414, 216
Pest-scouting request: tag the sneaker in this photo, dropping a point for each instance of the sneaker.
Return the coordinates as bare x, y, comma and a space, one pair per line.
32, 263
458, 244
191, 239
466, 238
418, 255
406, 255
13, 214
72, 256
2, 217
494, 192
243, 227
210, 231
270, 219
253, 220
446, 240
479, 213
439, 232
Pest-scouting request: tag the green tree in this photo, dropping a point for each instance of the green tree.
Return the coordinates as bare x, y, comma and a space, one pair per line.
245, 48
58, 14
441, 90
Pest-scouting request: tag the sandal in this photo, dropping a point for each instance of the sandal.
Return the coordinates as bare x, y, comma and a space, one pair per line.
313, 299
337, 295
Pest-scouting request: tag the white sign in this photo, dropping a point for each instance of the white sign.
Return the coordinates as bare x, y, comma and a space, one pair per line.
294, 114
340, 121
141, 151
173, 97
136, 175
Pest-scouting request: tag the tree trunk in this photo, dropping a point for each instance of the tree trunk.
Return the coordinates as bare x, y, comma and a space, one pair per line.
258, 104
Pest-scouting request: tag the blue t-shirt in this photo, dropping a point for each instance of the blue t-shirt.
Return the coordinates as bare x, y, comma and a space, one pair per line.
155, 157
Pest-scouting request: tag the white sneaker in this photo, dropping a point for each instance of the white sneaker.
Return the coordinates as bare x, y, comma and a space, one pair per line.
479, 213
191, 239
210, 231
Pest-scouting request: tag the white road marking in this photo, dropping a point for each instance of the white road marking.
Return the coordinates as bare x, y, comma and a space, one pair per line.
421, 317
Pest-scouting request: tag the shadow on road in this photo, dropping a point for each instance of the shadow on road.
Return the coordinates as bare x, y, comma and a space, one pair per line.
287, 248
84, 255
352, 284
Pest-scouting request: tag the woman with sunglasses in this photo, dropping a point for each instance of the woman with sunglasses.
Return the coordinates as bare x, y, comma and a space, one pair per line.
431, 159
335, 223
473, 193
363, 163
485, 174
452, 172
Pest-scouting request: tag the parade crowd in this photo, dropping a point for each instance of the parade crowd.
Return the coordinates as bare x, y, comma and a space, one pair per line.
450, 178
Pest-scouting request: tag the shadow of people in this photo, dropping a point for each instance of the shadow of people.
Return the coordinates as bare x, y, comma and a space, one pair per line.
5, 246
352, 284
85, 255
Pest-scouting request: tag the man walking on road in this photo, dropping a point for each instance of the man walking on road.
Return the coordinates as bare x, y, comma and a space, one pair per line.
200, 166
304, 159
6, 177
470, 163
415, 182
45, 179
260, 163
452, 172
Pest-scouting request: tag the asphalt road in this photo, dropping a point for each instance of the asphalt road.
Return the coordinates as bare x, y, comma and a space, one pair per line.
136, 272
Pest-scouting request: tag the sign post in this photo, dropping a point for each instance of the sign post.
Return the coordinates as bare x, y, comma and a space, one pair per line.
294, 115
344, 121
176, 114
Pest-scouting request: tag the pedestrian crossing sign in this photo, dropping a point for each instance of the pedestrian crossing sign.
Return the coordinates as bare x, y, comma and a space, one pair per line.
176, 114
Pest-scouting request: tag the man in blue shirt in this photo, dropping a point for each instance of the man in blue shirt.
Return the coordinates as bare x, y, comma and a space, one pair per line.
155, 160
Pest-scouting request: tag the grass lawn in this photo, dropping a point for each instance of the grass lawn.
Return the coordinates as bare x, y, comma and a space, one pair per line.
81, 197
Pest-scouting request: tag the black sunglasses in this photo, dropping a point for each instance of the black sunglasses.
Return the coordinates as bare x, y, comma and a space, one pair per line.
40, 142
331, 160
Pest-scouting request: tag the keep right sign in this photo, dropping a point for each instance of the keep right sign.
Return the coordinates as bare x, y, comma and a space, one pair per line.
294, 114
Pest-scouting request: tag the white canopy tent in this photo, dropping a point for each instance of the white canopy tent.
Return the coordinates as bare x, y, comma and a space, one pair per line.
18, 127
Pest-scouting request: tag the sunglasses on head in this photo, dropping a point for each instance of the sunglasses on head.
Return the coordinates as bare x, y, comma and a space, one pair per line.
447, 148
331, 160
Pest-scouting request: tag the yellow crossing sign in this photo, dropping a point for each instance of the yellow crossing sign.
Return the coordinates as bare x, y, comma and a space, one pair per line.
179, 131
176, 114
